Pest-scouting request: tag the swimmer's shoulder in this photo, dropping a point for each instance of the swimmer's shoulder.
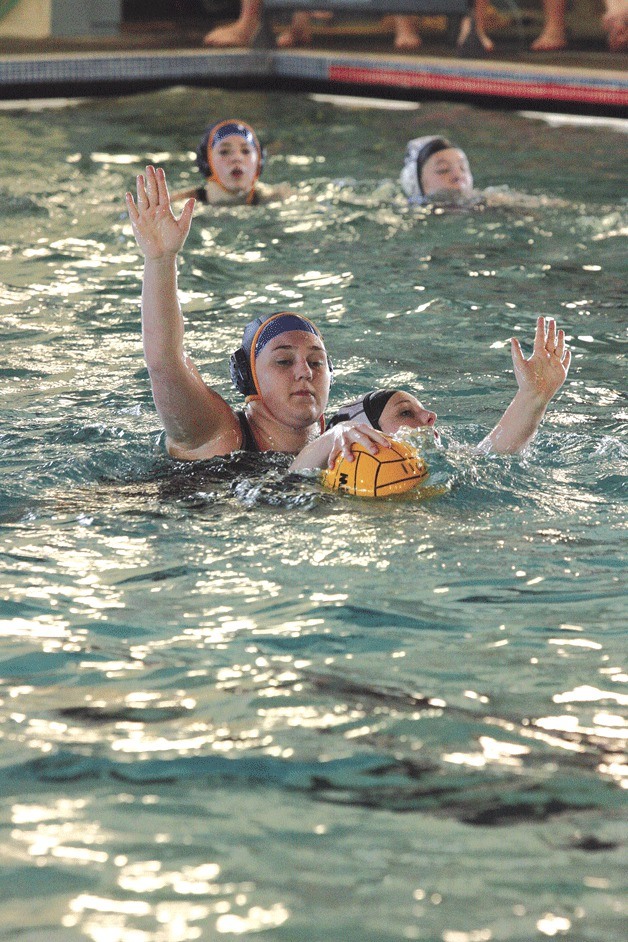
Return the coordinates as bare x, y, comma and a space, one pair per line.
212, 195
446, 200
209, 194
496, 196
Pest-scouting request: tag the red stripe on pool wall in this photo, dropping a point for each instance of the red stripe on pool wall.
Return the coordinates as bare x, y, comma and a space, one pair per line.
499, 87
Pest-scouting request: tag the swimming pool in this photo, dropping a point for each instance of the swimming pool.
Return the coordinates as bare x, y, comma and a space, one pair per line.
238, 706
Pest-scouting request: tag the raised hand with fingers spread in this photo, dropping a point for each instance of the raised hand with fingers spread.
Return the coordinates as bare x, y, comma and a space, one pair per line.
158, 231
543, 374
539, 378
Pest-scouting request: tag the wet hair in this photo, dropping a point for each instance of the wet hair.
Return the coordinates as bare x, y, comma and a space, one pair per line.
217, 132
367, 409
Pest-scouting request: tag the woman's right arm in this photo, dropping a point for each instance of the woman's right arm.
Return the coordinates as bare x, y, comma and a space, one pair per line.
198, 422
323, 451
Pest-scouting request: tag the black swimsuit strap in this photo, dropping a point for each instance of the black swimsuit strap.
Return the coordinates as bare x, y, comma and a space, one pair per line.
201, 196
248, 439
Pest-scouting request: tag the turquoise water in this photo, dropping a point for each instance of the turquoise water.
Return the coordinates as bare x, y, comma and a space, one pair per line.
234, 705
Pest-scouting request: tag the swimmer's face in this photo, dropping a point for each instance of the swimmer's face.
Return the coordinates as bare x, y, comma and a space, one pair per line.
403, 409
235, 162
447, 170
293, 378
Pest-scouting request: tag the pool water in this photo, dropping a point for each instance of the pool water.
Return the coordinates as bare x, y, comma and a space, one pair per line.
234, 704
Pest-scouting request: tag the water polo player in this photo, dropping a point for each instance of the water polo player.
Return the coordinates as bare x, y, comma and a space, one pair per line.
231, 159
434, 168
387, 410
435, 171
282, 366
384, 411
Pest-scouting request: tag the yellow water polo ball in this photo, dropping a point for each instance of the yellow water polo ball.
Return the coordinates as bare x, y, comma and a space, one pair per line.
393, 470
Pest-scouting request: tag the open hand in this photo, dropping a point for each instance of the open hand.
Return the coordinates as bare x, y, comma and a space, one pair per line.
542, 375
158, 231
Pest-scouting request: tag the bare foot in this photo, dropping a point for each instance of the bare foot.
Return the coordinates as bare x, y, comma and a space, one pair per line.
488, 43
616, 25
297, 34
552, 39
465, 29
406, 35
240, 33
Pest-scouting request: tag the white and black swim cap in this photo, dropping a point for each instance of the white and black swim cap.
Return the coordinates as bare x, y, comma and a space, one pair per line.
418, 152
366, 410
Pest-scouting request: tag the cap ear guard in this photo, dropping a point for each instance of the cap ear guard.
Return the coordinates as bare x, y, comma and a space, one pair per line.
201, 157
240, 371
242, 378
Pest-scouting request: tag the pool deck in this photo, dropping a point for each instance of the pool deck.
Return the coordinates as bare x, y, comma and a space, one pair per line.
350, 58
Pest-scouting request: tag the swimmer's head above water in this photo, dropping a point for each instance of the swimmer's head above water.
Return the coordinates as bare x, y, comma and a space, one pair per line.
386, 410
230, 155
433, 165
263, 334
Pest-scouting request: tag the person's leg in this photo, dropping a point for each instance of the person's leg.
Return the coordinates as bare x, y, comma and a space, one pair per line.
240, 33
554, 34
406, 33
481, 7
299, 33
615, 22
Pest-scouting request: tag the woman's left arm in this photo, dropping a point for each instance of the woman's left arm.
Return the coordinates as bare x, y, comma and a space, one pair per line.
539, 378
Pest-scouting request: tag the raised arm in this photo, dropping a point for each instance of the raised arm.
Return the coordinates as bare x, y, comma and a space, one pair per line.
539, 378
198, 422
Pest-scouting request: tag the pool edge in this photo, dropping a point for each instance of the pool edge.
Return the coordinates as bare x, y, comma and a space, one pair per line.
505, 83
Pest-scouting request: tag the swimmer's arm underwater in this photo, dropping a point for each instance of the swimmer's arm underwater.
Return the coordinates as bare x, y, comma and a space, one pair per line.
213, 196
276, 193
539, 378
323, 451
198, 422
190, 194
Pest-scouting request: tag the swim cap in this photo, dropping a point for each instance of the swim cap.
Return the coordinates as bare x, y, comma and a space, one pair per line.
256, 335
216, 133
418, 152
367, 410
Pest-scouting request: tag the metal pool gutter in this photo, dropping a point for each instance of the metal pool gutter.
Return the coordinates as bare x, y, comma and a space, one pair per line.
512, 82
550, 87
105, 72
